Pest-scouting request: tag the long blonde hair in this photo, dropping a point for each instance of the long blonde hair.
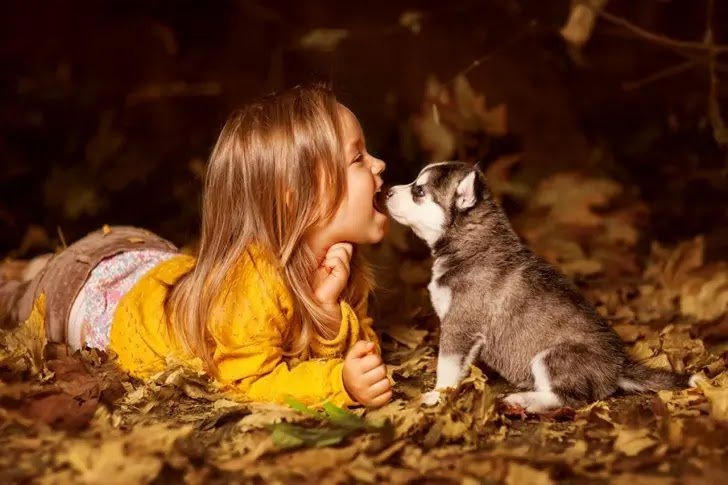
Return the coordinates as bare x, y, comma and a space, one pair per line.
275, 172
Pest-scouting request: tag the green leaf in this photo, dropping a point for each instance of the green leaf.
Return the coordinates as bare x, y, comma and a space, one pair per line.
287, 435
302, 408
284, 438
338, 423
344, 418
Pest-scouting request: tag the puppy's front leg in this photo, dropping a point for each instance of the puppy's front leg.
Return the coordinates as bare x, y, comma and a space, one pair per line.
450, 369
457, 352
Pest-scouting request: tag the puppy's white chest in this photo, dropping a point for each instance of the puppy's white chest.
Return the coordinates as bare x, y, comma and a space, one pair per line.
440, 295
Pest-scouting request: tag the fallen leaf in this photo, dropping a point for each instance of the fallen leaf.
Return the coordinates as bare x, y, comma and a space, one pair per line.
72, 405
410, 337
137, 457
632, 442
21, 349
717, 396
473, 114
571, 198
435, 138
522, 474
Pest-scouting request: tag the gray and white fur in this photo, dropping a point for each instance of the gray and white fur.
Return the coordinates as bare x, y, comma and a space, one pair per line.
502, 305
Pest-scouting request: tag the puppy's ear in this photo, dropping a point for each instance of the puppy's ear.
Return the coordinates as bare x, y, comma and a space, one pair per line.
466, 194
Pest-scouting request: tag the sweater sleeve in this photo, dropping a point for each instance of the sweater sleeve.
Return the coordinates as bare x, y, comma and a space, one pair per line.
248, 331
360, 313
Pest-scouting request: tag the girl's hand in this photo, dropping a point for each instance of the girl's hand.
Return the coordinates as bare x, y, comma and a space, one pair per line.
365, 376
331, 277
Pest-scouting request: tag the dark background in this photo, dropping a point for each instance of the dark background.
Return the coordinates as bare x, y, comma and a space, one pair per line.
109, 108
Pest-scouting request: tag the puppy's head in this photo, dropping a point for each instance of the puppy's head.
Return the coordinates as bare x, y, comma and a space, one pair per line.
440, 193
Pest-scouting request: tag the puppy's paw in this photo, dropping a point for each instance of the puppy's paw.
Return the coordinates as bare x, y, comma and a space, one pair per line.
517, 400
534, 402
431, 398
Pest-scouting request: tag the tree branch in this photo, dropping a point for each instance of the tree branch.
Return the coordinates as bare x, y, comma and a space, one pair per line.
661, 74
659, 38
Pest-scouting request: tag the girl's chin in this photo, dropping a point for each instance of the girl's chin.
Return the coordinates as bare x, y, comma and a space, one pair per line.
371, 233
381, 224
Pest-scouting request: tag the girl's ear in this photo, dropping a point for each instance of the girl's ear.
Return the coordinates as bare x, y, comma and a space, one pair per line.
466, 194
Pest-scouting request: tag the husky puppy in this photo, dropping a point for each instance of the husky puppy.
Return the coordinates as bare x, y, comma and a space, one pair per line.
501, 305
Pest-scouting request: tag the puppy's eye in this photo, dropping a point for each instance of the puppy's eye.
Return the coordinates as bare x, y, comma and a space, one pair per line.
418, 191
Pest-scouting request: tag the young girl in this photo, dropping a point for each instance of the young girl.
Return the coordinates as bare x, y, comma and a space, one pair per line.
275, 304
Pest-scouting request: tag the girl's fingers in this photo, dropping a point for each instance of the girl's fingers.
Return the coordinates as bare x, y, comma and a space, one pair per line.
341, 252
380, 387
380, 400
360, 349
369, 362
376, 374
345, 249
332, 275
335, 262
349, 250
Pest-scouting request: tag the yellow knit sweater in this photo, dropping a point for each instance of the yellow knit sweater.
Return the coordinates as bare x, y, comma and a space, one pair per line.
247, 327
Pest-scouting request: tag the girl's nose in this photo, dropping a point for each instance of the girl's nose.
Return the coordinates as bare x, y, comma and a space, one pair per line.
378, 166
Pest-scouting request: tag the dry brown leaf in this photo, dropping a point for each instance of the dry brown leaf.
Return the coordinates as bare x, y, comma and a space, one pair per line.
635, 479
632, 442
582, 267
681, 403
437, 139
576, 452
451, 111
411, 337
405, 416
134, 458
669, 266
21, 349
521, 474
72, 402
717, 396
704, 293
473, 115
630, 333
571, 198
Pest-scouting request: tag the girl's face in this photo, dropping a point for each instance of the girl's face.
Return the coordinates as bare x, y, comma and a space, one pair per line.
357, 220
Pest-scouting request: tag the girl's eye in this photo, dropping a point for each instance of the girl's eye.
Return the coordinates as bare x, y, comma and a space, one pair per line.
359, 157
418, 191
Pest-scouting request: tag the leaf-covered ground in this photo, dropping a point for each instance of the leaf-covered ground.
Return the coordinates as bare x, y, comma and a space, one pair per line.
74, 418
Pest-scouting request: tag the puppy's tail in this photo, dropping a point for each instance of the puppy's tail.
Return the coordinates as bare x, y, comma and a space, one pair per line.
639, 378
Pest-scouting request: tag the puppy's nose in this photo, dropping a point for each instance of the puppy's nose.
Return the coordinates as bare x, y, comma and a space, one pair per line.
390, 193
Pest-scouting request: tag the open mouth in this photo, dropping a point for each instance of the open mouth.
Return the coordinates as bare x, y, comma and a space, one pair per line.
379, 203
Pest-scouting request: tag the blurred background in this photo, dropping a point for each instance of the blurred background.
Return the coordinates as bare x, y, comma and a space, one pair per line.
110, 108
